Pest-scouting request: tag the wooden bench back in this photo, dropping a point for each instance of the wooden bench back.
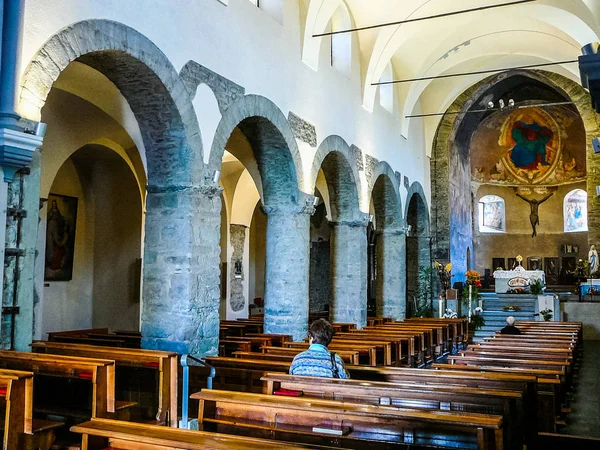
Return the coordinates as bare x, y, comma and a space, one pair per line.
16, 392
256, 413
99, 372
166, 363
136, 436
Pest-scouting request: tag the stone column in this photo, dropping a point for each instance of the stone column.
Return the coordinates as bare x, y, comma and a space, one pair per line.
349, 272
391, 274
287, 270
180, 308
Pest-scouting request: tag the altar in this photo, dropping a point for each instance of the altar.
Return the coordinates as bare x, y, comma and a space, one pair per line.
518, 278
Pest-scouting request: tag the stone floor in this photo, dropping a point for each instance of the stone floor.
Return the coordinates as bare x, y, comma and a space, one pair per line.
584, 420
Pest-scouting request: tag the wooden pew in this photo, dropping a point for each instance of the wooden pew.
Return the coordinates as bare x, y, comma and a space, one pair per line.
89, 341
405, 345
460, 328
228, 346
550, 390
99, 372
277, 340
348, 356
435, 335
101, 433
76, 333
553, 441
508, 404
289, 418
165, 363
370, 351
21, 431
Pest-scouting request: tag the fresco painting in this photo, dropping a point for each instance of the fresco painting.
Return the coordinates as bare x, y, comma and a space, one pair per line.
529, 146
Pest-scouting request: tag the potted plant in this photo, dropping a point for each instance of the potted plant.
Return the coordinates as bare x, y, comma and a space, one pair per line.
546, 314
477, 319
536, 288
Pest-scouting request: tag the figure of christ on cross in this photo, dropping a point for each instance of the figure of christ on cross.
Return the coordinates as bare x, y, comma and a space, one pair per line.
534, 216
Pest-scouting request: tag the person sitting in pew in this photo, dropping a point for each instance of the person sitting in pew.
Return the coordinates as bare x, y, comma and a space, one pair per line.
317, 361
510, 327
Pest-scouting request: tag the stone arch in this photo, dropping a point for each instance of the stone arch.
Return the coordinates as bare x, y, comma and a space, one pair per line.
343, 181
415, 191
273, 142
418, 241
385, 192
446, 156
390, 243
145, 77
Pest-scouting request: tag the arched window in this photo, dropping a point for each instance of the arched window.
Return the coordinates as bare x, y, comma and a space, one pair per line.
341, 44
272, 7
386, 91
575, 211
492, 215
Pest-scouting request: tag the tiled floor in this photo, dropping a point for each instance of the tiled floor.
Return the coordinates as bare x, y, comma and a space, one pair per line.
584, 420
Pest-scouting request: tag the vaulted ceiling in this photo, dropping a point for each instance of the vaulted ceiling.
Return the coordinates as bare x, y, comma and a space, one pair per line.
531, 33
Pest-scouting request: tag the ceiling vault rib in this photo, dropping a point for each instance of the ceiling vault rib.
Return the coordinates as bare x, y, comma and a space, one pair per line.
418, 19
536, 105
477, 72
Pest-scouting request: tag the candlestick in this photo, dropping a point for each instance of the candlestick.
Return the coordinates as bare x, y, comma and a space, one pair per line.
470, 295
440, 306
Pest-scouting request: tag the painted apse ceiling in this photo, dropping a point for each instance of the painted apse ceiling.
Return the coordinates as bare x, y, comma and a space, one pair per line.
531, 146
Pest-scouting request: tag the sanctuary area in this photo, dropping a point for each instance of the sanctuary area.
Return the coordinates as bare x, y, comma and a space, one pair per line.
188, 185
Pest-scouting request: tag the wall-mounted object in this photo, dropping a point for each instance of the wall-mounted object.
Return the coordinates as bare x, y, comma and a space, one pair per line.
238, 270
60, 237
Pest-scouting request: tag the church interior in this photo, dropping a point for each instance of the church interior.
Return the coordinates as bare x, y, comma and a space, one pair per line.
189, 185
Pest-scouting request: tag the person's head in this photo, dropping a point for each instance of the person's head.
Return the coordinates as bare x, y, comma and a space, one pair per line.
320, 332
510, 321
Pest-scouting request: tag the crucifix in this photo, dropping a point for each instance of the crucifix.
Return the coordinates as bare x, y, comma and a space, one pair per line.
534, 216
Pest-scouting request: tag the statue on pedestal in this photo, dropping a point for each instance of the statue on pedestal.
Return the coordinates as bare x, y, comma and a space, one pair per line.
593, 260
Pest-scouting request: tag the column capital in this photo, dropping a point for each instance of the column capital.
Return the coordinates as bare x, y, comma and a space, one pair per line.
361, 220
305, 205
16, 150
210, 190
392, 232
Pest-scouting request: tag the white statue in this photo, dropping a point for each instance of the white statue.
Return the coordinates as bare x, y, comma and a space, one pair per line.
593, 259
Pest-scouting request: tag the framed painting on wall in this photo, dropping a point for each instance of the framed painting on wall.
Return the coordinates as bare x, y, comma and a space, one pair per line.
534, 263
512, 263
60, 237
498, 262
552, 270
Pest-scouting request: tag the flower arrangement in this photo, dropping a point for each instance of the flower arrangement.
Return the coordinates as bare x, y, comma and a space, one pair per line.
512, 308
449, 314
444, 273
546, 314
473, 278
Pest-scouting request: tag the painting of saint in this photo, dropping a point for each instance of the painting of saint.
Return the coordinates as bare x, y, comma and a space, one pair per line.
60, 238
530, 148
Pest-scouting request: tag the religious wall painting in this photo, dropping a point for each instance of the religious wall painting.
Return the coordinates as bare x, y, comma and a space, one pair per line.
498, 263
552, 270
529, 146
534, 263
511, 264
60, 237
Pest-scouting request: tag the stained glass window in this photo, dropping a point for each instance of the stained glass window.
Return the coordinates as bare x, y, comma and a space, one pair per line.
575, 211
492, 214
